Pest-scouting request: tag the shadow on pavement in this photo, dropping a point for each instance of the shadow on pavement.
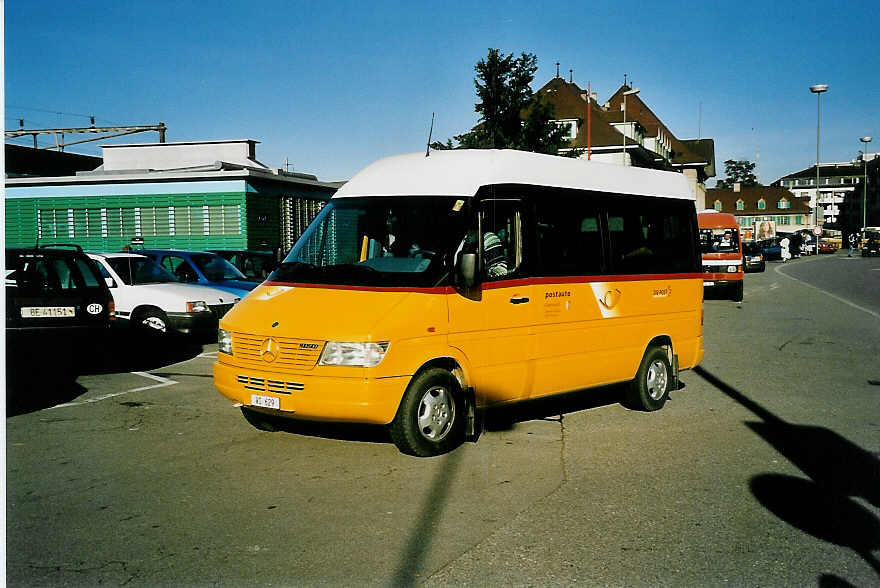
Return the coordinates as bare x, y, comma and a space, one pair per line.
131, 350
504, 418
35, 382
23, 397
337, 431
419, 540
838, 470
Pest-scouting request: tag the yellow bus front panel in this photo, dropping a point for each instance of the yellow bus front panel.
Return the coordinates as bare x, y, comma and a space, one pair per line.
314, 397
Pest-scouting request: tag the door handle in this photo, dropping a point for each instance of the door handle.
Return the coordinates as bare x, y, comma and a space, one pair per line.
522, 300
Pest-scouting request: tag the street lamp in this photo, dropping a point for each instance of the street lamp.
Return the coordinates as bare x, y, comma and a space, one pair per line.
625, 94
865, 140
817, 89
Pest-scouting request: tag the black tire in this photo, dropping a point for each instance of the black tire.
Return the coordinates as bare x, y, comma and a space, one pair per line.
650, 389
431, 417
257, 420
737, 295
151, 320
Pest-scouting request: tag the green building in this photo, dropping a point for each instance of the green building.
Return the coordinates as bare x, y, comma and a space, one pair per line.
187, 195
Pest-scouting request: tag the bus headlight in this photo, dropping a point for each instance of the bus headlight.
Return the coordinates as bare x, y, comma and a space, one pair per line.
353, 354
731, 269
224, 341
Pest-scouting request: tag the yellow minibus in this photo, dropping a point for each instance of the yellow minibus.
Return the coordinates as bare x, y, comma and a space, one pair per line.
431, 288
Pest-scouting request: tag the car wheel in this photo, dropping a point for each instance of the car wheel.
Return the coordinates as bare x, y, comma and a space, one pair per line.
257, 420
431, 416
152, 320
649, 391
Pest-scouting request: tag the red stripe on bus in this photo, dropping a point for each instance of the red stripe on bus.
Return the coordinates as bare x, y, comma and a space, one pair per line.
522, 282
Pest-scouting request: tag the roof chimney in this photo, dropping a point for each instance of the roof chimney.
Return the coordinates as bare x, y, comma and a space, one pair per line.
737, 186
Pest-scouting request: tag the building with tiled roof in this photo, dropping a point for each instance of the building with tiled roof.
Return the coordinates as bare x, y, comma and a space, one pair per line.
756, 204
642, 141
696, 154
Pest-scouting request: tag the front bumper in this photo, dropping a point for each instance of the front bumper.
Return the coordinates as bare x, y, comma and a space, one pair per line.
315, 397
192, 322
721, 280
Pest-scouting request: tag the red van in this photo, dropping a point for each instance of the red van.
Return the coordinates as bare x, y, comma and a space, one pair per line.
721, 250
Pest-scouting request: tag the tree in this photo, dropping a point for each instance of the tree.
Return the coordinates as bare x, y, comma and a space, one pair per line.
738, 171
511, 115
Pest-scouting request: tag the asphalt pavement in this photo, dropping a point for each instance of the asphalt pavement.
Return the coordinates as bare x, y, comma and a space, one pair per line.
761, 471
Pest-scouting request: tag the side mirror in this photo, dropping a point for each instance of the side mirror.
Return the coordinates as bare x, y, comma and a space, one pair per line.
110, 282
466, 270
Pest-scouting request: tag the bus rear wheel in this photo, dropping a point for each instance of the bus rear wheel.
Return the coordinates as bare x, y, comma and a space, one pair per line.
650, 389
431, 417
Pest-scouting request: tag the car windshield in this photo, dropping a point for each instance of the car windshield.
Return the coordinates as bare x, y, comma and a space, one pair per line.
379, 241
140, 270
215, 268
719, 240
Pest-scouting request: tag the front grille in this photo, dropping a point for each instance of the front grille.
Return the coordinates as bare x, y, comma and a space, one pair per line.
274, 386
293, 354
219, 309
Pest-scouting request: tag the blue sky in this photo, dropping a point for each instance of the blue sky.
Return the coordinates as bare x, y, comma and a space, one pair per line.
333, 86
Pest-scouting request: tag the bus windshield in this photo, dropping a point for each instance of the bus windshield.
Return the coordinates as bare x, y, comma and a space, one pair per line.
379, 241
719, 240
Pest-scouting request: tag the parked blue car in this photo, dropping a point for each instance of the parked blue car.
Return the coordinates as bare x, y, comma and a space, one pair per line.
201, 267
771, 249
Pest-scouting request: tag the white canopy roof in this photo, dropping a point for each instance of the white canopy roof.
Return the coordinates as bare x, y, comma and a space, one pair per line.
462, 172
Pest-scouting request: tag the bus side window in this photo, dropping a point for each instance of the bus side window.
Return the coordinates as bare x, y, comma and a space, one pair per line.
501, 238
569, 239
654, 238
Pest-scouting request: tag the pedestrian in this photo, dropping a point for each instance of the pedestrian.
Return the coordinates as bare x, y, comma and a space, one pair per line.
852, 244
784, 251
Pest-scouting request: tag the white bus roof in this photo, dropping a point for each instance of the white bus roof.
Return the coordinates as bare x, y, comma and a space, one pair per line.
462, 172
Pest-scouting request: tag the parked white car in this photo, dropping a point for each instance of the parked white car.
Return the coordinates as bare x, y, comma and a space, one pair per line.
148, 296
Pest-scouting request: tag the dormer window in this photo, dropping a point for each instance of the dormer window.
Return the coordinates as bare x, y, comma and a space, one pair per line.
740, 205
783, 204
569, 126
718, 205
762, 204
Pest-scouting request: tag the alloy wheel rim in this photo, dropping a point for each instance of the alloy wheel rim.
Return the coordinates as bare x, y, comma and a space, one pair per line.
436, 413
657, 379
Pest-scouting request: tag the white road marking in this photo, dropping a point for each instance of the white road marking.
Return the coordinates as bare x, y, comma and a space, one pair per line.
209, 355
162, 383
835, 296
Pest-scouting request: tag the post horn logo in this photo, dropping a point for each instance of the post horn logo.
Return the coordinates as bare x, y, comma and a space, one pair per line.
269, 350
611, 298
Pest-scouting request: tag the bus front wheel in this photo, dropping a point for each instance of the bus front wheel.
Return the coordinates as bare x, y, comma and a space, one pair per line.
649, 390
431, 417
